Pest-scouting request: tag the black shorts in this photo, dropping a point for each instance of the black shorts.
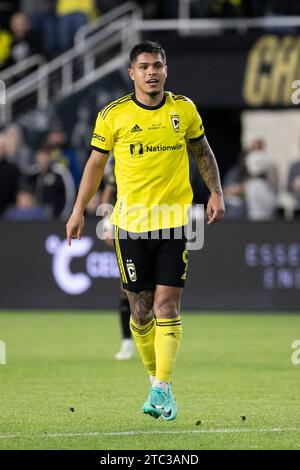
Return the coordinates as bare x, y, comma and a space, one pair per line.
147, 259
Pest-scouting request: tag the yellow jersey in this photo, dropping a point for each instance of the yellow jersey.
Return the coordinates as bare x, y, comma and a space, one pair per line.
151, 160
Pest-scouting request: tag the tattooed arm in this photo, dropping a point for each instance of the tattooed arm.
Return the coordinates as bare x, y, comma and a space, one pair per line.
209, 171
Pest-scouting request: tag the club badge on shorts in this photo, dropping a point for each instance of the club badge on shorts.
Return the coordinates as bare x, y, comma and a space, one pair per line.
130, 266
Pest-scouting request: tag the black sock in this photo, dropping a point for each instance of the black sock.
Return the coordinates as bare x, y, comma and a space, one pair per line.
124, 310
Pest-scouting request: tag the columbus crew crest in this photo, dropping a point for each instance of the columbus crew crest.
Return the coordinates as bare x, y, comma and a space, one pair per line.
175, 122
130, 266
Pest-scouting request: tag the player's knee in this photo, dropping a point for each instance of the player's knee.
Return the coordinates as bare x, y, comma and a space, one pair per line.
166, 307
140, 317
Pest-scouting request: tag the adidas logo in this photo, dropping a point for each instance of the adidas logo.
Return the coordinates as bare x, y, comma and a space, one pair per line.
136, 128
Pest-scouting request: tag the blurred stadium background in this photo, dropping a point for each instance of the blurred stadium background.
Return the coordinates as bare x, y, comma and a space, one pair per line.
60, 63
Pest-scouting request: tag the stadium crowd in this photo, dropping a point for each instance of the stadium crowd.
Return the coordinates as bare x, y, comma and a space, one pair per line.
48, 27
42, 183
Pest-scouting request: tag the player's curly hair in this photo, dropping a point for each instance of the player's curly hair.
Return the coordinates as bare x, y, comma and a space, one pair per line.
147, 46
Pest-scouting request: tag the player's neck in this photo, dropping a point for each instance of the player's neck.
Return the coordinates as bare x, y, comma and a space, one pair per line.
148, 100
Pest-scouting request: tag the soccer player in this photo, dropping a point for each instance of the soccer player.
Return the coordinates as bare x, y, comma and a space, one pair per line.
149, 131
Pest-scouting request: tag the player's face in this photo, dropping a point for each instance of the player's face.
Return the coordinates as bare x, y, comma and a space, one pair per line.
149, 73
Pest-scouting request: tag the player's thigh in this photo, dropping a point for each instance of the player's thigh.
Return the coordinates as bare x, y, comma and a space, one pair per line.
135, 262
171, 263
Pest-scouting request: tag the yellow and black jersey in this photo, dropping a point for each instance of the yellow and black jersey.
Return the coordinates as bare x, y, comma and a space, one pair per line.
151, 160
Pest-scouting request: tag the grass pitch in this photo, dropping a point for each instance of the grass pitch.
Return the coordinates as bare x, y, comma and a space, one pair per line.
234, 381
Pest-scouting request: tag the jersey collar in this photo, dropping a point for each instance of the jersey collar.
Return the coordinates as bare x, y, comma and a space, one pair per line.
141, 105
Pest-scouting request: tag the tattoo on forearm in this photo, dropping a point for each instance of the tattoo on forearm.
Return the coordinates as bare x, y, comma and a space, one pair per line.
207, 164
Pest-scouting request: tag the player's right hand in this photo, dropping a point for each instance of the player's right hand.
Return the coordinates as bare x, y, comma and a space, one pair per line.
74, 227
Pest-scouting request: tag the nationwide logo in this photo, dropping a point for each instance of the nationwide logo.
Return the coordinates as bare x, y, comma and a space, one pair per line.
162, 148
136, 128
139, 149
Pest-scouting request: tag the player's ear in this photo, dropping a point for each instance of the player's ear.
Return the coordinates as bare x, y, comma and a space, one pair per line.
130, 72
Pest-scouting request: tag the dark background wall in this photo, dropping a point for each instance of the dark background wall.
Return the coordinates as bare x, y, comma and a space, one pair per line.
243, 266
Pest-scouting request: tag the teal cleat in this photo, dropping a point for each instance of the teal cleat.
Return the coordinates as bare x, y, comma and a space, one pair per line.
170, 406
153, 406
160, 403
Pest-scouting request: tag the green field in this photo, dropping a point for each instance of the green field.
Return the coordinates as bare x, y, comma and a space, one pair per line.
62, 389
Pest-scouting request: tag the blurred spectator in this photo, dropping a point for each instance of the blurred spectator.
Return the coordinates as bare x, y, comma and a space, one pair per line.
239, 205
260, 198
71, 15
47, 182
258, 145
24, 42
294, 185
41, 15
17, 150
57, 141
9, 178
27, 207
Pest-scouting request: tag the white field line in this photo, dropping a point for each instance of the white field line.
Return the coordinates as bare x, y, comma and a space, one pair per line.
149, 433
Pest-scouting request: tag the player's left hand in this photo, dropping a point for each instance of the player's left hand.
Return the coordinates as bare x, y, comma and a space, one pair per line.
215, 208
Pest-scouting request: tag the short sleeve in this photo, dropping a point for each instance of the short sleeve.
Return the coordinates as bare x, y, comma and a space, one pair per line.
102, 139
195, 131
